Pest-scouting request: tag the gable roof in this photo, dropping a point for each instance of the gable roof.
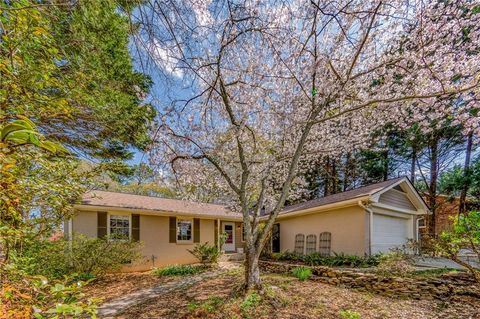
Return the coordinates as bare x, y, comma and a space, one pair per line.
154, 204
365, 191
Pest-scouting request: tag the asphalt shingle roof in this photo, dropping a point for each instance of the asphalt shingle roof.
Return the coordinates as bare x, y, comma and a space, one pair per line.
340, 197
133, 201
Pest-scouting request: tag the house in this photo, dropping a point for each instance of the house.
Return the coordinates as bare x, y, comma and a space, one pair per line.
366, 220
168, 228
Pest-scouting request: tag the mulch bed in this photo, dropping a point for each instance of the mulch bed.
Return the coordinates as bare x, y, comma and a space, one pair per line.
300, 300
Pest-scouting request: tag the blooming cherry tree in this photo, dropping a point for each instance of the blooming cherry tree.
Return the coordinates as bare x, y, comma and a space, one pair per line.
254, 87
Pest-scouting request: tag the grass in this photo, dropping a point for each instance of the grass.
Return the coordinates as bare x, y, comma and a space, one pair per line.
210, 305
302, 273
349, 314
179, 270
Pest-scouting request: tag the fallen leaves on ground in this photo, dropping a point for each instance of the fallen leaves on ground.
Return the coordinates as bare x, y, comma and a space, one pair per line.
112, 286
287, 297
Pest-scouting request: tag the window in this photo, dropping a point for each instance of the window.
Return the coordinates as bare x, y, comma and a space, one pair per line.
243, 233
325, 244
311, 244
299, 244
120, 226
421, 223
184, 229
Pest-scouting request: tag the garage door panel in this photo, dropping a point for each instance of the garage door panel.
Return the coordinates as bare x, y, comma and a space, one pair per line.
388, 233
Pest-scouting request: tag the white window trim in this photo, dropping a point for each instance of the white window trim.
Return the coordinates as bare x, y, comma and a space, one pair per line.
120, 214
418, 222
179, 241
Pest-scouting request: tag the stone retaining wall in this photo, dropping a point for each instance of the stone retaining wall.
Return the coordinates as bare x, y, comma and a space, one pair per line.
416, 288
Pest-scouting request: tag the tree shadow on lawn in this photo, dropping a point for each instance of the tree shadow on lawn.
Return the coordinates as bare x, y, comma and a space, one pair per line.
287, 297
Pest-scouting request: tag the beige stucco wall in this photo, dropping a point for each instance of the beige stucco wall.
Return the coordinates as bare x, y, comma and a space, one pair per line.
155, 237
154, 234
347, 226
85, 222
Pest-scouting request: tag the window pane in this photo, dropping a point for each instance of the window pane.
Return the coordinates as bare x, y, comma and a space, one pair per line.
119, 226
184, 229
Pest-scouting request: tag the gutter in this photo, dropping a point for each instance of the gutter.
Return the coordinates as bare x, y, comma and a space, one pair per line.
370, 228
152, 212
318, 209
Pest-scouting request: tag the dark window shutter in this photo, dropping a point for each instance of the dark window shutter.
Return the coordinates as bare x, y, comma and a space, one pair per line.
135, 227
215, 225
196, 230
173, 230
101, 224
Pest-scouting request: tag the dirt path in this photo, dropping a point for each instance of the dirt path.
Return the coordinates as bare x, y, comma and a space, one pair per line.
117, 306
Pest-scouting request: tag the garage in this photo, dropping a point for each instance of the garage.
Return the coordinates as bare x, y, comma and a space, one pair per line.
389, 232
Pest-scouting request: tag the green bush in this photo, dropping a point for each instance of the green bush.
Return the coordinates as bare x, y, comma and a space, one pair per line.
302, 273
208, 254
337, 260
179, 270
349, 314
25, 296
83, 256
465, 234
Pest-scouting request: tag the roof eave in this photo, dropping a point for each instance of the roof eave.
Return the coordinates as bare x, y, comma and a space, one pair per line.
346, 203
155, 212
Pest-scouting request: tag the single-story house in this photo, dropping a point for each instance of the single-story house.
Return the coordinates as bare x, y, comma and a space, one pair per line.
363, 221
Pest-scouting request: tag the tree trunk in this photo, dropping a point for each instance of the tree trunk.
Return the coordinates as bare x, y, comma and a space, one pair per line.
466, 175
432, 188
412, 165
252, 270
385, 165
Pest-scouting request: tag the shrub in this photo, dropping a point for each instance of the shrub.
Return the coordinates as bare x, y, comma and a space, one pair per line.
208, 254
349, 314
465, 234
24, 296
83, 256
337, 260
179, 270
395, 263
302, 273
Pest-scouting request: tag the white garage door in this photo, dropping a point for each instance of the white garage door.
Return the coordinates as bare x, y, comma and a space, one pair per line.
388, 232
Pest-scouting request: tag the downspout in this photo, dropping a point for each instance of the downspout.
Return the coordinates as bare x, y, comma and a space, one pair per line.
370, 226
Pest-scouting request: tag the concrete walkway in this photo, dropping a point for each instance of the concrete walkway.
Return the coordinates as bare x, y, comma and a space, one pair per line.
119, 305
438, 262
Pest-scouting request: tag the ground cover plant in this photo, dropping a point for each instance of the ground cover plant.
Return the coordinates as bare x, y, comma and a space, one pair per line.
302, 273
180, 270
336, 260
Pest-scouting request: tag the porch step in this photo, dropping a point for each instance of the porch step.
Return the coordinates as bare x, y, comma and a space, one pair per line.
232, 257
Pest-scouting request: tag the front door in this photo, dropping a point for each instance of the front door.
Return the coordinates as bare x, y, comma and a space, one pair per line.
229, 229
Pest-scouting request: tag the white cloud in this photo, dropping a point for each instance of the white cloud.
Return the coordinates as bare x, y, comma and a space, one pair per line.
165, 58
